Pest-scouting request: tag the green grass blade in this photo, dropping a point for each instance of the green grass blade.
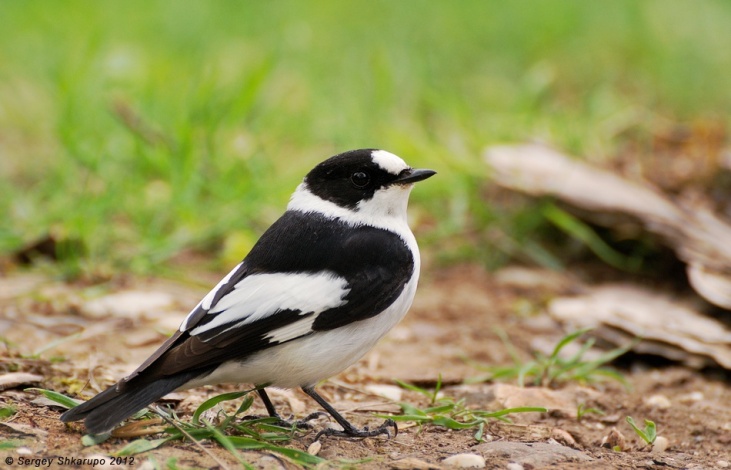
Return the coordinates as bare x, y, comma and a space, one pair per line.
437, 387
413, 388
90, 440
6, 412
141, 445
584, 233
530, 368
480, 432
566, 340
297, 456
245, 405
650, 430
409, 409
648, 434
579, 355
440, 409
505, 339
507, 411
582, 410
637, 430
246, 443
63, 400
226, 443
451, 423
54, 343
408, 417
211, 402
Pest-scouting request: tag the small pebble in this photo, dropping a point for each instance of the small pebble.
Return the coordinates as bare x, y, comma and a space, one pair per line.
610, 419
271, 463
514, 466
660, 445
391, 392
314, 448
658, 401
147, 465
692, 397
563, 437
614, 439
411, 463
723, 464
23, 451
465, 461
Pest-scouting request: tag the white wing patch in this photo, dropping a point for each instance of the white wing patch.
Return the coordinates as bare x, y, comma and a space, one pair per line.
388, 161
261, 295
293, 330
205, 303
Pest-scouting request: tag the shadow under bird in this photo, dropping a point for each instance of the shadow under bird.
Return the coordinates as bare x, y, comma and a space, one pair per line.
322, 285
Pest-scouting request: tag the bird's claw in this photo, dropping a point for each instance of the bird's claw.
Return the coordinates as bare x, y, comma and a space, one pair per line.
361, 433
289, 423
304, 422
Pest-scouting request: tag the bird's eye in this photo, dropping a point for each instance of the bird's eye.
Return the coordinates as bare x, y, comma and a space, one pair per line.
360, 179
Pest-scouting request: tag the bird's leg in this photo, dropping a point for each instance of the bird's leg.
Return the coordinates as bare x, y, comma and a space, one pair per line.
299, 424
348, 429
268, 404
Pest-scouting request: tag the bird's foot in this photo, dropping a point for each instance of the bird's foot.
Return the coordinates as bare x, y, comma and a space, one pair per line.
352, 431
289, 423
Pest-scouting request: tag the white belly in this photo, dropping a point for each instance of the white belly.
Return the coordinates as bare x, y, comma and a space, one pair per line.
306, 361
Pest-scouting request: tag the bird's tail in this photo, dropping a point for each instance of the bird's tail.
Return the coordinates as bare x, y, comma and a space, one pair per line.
122, 400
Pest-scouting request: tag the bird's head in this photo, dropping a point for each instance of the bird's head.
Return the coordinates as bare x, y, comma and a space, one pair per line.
371, 183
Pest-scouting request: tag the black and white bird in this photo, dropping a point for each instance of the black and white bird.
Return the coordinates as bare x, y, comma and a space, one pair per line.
321, 286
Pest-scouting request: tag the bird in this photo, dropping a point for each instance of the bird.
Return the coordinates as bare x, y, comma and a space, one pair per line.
320, 287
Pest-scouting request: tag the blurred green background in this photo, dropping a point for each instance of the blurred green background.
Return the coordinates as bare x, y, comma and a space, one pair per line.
147, 129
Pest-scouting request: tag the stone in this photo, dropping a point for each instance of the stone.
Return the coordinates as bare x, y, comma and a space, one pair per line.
314, 448
537, 454
465, 461
660, 445
658, 401
390, 392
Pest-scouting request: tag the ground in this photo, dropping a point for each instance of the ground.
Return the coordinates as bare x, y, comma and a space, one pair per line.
451, 330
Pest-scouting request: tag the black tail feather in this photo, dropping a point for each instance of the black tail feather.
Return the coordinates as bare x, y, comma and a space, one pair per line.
112, 406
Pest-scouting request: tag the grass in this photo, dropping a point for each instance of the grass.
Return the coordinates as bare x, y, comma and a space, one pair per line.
143, 130
446, 412
7, 411
556, 368
251, 434
261, 434
647, 434
582, 410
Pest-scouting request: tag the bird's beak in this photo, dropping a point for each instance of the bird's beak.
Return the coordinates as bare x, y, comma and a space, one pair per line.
412, 176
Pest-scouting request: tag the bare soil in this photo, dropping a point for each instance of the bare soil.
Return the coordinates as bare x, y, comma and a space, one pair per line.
449, 331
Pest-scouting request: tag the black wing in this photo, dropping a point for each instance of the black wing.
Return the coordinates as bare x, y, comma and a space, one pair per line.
375, 263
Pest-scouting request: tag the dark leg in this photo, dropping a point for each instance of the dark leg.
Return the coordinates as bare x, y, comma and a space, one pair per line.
348, 429
301, 424
268, 403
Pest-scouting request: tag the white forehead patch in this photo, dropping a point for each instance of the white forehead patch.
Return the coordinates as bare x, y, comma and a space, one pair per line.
388, 161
